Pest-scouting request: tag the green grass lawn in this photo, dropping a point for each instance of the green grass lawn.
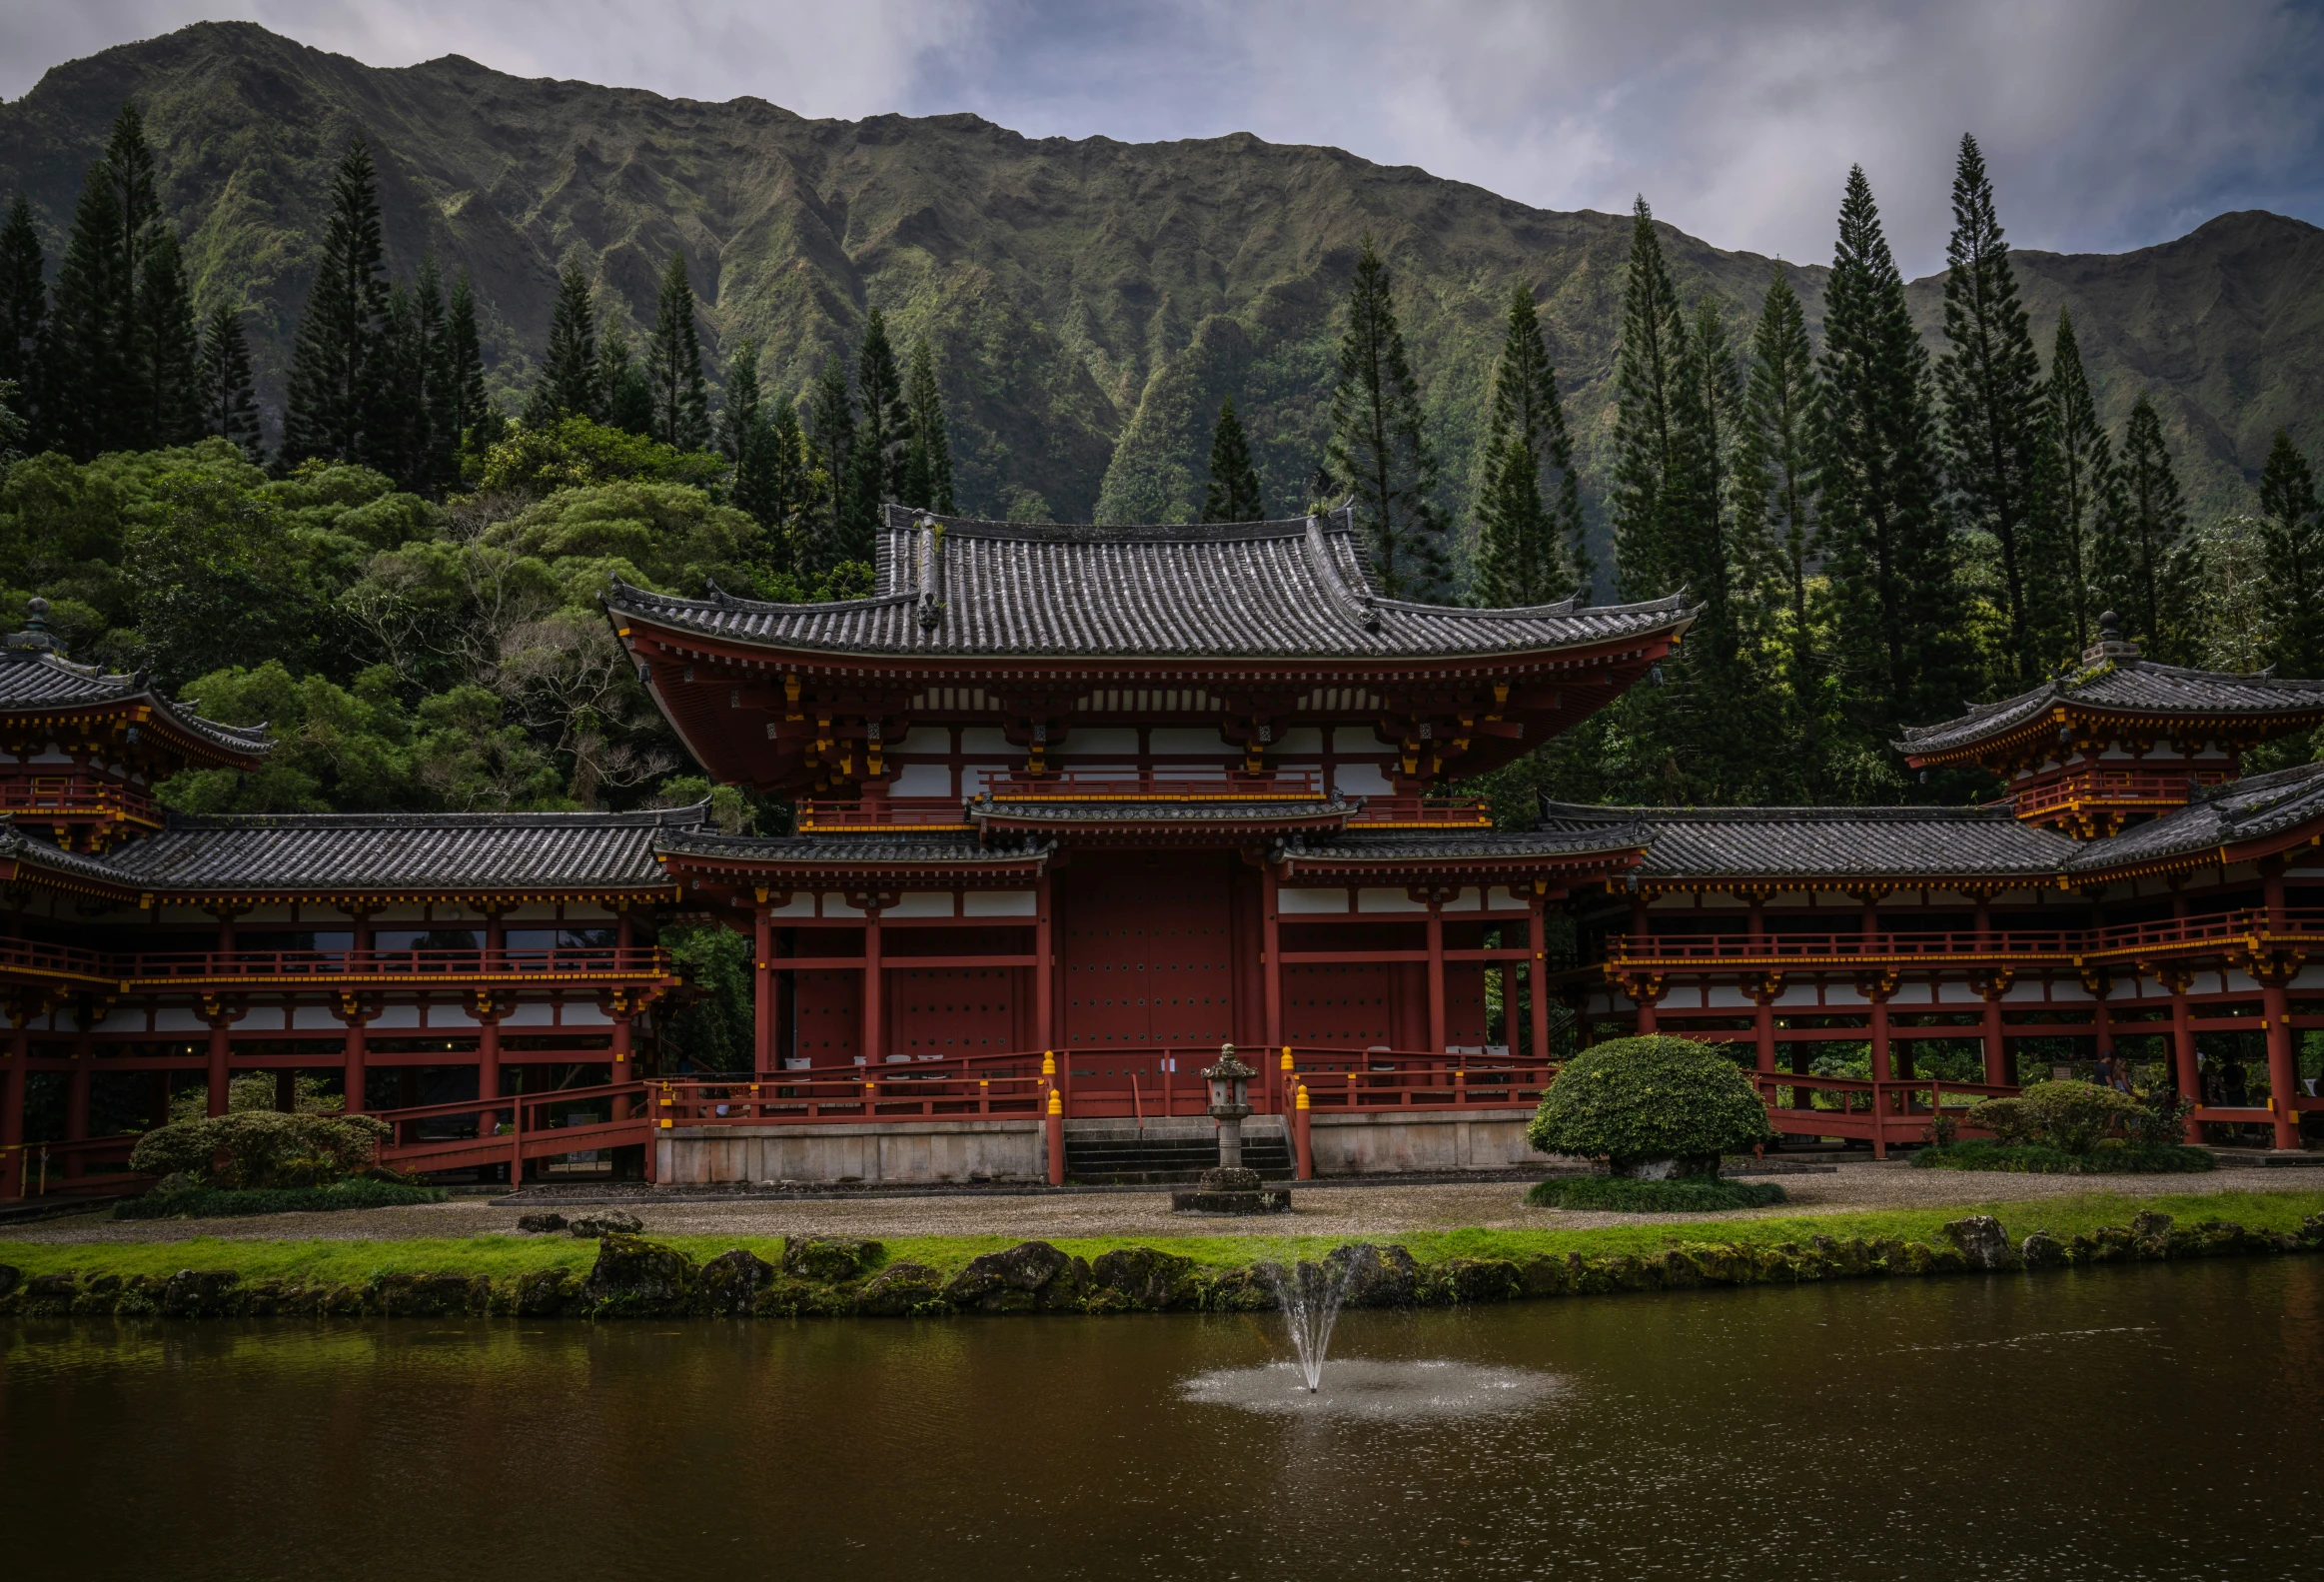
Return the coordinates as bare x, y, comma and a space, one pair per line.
505, 1258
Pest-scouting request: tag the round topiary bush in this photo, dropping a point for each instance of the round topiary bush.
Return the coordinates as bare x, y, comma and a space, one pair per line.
1652, 1107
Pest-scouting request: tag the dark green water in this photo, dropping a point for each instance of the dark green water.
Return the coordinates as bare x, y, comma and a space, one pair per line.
2139, 1422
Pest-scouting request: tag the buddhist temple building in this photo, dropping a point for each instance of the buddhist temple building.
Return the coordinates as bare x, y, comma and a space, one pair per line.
1104, 795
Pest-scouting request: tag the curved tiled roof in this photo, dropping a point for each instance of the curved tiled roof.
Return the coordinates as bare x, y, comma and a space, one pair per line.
2247, 809
34, 679
1168, 812
1294, 589
1826, 844
2128, 687
1357, 848
905, 846
390, 852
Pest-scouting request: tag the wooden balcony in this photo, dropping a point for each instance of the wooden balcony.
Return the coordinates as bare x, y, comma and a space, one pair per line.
148, 972
2252, 933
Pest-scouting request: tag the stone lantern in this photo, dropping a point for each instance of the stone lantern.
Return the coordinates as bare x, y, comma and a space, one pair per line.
1231, 1189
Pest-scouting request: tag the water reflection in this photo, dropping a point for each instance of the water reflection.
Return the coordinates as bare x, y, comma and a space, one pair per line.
2154, 1422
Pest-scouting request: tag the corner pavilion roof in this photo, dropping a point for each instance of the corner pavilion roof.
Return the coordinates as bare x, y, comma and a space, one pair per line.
1830, 846
1294, 589
36, 680
2133, 691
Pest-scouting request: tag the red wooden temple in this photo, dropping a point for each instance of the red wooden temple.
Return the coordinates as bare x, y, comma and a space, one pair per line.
1074, 802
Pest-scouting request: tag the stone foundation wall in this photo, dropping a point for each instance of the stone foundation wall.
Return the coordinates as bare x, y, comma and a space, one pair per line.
888, 1151
1422, 1142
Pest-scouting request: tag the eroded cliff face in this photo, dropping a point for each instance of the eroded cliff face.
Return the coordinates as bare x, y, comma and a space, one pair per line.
1091, 301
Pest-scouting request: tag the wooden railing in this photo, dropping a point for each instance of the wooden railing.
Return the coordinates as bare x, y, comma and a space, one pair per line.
2113, 787
1283, 786
1902, 1109
1422, 813
2251, 930
74, 797
151, 970
483, 1132
882, 813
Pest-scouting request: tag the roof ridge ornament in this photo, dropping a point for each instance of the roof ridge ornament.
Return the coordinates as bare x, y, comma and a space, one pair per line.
2112, 647
1357, 602
35, 635
928, 571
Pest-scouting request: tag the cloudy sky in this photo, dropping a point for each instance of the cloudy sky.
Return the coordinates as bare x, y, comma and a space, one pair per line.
2109, 123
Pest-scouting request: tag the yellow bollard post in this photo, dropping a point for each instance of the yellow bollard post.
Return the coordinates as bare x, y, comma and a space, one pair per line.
1056, 1138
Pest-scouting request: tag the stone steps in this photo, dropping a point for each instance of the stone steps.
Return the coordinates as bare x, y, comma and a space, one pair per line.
1122, 1159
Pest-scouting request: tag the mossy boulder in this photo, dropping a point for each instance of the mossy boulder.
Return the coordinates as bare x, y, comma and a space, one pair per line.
1651, 1108
1031, 1277
829, 1259
1463, 1281
1140, 1279
1984, 1244
727, 1284
547, 1293
429, 1296
636, 1279
200, 1293
1375, 1275
903, 1290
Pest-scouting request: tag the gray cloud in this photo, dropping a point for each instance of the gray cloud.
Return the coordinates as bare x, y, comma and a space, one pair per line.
2109, 123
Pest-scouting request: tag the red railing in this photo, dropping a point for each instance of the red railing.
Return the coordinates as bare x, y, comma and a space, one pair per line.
162, 969
2137, 787
1424, 812
2069, 946
1899, 1110
1283, 786
881, 813
484, 1131
63, 1169
73, 796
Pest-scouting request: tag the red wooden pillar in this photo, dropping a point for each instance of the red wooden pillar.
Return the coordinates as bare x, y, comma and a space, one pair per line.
219, 1043
355, 1076
1436, 976
1536, 939
1879, 994
1996, 1059
77, 1097
874, 990
2283, 1066
763, 989
1764, 987
12, 1113
2190, 1078
622, 1007
1271, 957
1044, 963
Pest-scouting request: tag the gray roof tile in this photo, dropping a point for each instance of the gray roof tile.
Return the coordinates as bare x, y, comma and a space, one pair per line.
1836, 844
1293, 588
2130, 686
2247, 809
35, 680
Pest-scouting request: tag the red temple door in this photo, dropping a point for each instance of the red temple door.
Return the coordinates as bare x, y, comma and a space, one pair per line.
1147, 950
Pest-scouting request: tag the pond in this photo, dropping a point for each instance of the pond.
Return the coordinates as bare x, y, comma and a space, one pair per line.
2143, 1421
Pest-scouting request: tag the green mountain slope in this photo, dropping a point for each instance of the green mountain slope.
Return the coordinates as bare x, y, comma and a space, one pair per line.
1091, 301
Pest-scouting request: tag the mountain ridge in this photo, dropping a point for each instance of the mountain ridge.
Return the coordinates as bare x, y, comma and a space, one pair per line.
1091, 300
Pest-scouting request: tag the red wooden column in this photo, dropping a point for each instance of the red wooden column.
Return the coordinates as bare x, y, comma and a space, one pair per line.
77, 1091
1536, 939
1764, 987
2190, 1078
1878, 992
353, 1050
1990, 988
1044, 963
1436, 975
2283, 1065
220, 1041
1271, 960
12, 1111
763, 989
488, 1012
874, 988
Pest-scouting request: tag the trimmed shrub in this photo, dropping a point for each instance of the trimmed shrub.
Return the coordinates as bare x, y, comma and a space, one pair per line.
261, 1148
2040, 1158
1692, 1194
1635, 1102
2068, 1116
204, 1202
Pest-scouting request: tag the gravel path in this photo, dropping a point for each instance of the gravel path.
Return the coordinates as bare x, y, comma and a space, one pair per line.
1384, 1209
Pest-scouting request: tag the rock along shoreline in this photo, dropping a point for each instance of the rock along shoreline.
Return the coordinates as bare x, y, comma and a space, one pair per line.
841, 1276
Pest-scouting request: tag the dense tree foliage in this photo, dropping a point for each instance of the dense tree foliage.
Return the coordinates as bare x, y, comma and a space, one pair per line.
1379, 450
1233, 493
1530, 545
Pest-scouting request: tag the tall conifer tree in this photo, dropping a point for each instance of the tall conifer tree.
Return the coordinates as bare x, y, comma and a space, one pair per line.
1776, 500
674, 365
229, 395
1379, 447
2077, 476
787, 498
885, 427
927, 479
2293, 550
463, 361
567, 386
1529, 551
1650, 468
1895, 577
739, 412
626, 398
23, 310
88, 381
1232, 493
336, 363
2146, 561
831, 534
1991, 384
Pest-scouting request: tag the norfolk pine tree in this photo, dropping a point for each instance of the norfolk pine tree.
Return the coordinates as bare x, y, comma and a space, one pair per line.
88, 375
1233, 492
928, 481
2293, 553
828, 535
2077, 476
624, 394
1775, 496
1379, 450
2147, 564
463, 361
1528, 551
23, 310
335, 372
1652, 472
229, 398
568, 385
674, 365
166, 346
1898, 608
1992, 383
